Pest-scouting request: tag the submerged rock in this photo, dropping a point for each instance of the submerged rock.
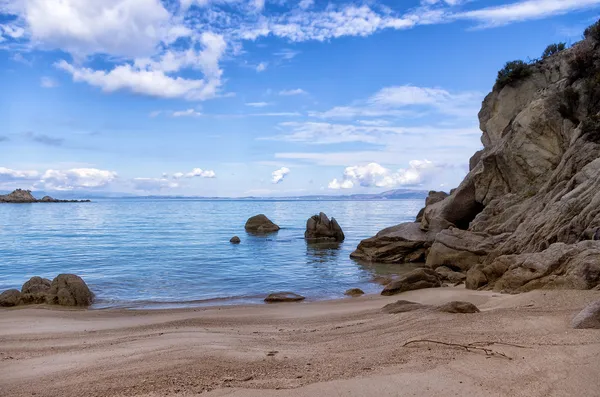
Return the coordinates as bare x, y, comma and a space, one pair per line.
416, 279
588, 318
458, 307
319, 227
69, 290
35, 290
260, 224
235, 240
284, 297
354, 292
10, 298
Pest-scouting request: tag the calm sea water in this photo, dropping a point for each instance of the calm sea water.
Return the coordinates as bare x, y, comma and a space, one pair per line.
169, 253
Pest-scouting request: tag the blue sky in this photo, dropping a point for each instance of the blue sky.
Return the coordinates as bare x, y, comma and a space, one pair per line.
256, 97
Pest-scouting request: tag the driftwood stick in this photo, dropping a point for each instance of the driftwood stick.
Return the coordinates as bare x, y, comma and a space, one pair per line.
469, 348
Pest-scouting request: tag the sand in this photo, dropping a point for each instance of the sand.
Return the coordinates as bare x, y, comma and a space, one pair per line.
345, 347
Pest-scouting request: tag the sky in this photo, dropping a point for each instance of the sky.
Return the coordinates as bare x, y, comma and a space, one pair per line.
257, 97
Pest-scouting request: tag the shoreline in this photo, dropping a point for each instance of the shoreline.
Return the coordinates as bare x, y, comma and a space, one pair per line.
334, 347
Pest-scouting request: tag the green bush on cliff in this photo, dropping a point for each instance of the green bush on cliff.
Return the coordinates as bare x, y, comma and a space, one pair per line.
553, 49
593, 31
512, 72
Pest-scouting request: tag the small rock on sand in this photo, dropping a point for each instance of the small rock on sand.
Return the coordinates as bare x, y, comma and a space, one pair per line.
9, 298
284, 297
458, 307
588, 318
403, 306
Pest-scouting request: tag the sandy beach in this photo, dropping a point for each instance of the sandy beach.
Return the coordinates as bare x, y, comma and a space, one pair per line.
345, 347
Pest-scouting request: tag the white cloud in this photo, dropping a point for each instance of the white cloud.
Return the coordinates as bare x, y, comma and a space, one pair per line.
279, 175
374, 123
375, 175
77, 178
297, 91
153, 184
523, 11
304, 4
150, 77
261, 67
9, 175
257, 104
198, 172
48, 82
187, 113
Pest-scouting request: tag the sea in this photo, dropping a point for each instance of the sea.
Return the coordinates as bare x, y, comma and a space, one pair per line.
169, 253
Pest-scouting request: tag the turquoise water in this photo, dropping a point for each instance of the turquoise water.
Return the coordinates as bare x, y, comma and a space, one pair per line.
170, 253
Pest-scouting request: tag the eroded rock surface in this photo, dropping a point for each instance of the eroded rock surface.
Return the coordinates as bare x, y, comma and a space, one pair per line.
321, 228
527, 215
35, 290
588, 318
416, 279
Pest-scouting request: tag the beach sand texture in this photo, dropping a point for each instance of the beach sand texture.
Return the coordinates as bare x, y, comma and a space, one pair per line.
346, 347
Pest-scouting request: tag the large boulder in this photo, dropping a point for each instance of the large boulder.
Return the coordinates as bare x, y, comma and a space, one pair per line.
398, 244
69, 290
10, 298
260, 224
279, 297
320, 228
35, 290
416, 279
588, 318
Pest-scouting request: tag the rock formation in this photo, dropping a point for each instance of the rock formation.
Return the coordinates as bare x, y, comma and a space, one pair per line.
21, 196
588, 318
527, 215
416, 279
64, 290
260, 224
320, 228
278, 297
354, 292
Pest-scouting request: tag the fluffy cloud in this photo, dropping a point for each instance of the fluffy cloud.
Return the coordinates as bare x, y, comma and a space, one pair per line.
279, 175
10, 175
261, 67
195, 173
375, 175
187, 113
297, 91
77, 178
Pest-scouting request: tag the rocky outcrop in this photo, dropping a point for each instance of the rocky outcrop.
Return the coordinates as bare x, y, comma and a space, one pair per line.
527, 215
588, 318
21, 196
35, 290
458, 307
320, 228
354, 292
260, 224
398, 244
433, 198
416, 279
279, 297
10, 298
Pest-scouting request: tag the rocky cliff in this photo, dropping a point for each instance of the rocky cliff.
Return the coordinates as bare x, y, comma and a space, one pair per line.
528, 213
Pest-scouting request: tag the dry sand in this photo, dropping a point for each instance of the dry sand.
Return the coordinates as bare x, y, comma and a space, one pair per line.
347, 347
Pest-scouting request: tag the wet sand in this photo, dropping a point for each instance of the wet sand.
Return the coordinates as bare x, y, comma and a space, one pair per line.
345, 347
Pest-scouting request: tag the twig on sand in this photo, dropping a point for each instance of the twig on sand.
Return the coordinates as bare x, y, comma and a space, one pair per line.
469, 347
490, 343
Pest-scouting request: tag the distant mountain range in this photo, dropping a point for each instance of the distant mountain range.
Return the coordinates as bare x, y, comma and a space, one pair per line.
396, 194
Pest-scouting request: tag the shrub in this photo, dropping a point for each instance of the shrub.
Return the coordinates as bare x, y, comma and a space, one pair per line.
553, 49
593, 31
582, 64
512, 72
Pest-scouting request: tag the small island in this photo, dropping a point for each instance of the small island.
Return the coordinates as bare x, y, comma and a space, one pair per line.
21, 196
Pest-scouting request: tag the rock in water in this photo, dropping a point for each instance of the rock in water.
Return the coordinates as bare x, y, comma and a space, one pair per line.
284, 297
458, 307
403, 306
18, 196
588, 318
235, 240
69, 290
319, 227
10, 298
35, 290
354, 292
260, 224
416, 279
